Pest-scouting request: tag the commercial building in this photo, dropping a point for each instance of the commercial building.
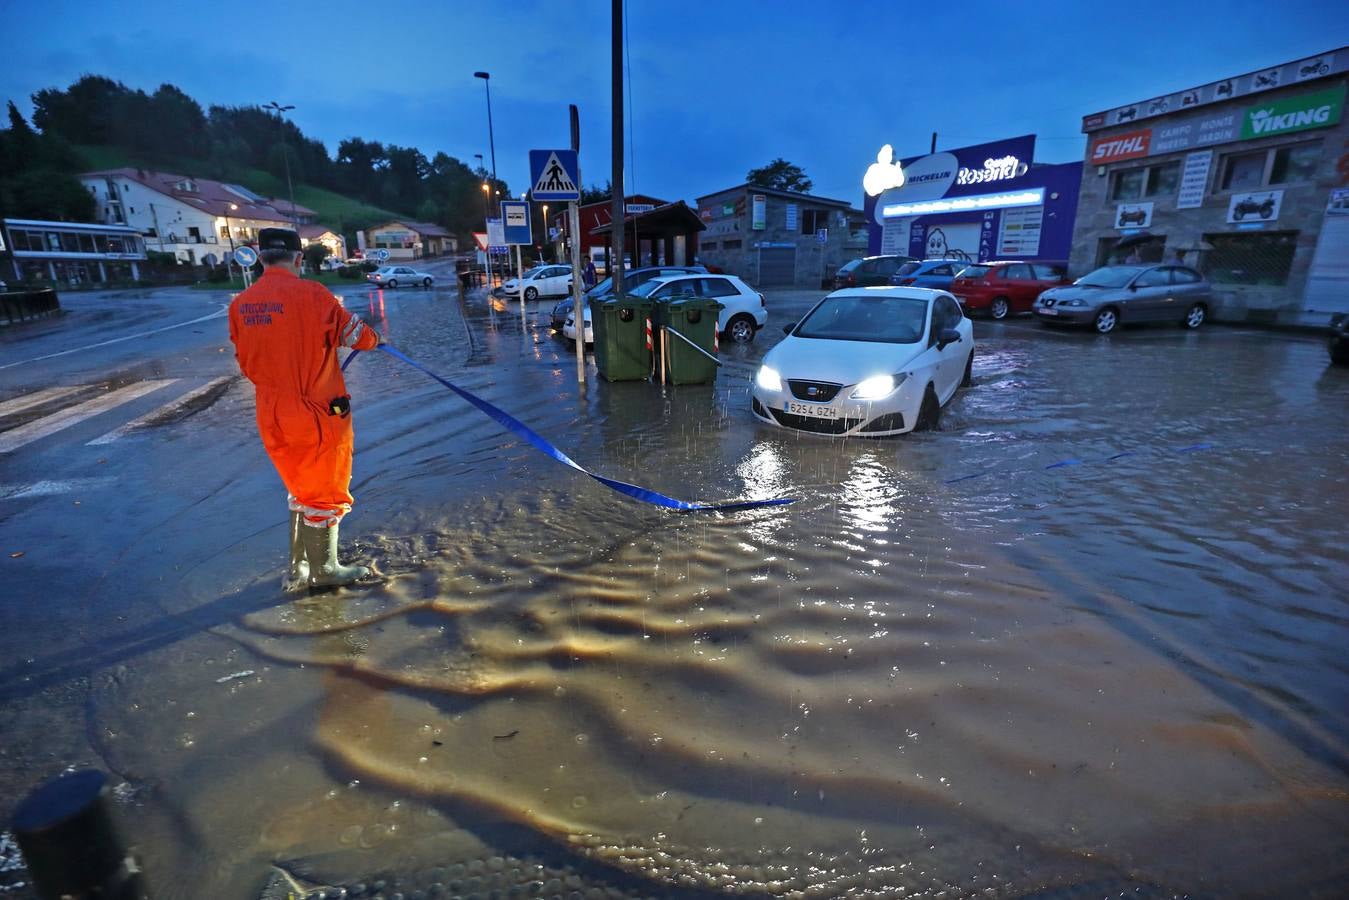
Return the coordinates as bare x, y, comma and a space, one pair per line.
1245, 177
196, 219
774, 238
987, 201
70, 253
406, 239
319, 234
598, 215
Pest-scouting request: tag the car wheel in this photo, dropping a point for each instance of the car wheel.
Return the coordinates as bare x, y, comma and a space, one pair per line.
531, 293
968, 379
999, 308
740, 330
392, 284
426, 282
1195, 316
1106, 320
929, 414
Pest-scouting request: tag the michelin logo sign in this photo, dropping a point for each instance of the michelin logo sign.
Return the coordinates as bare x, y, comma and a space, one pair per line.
1293, 114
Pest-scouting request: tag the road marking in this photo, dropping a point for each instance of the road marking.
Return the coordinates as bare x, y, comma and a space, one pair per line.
28, 401
18, 437
52, 488
168, 409
223, 311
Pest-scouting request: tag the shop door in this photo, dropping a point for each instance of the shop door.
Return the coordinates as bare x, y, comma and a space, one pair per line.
1328, 279
777, 266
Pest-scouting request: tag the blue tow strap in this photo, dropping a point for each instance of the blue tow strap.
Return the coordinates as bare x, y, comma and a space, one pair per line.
520, 429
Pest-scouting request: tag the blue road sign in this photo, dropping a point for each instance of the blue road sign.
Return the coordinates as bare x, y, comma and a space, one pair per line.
515, 215
245, 256
554, 175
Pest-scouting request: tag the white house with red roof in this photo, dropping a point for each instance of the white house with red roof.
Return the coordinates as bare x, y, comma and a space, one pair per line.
196, 219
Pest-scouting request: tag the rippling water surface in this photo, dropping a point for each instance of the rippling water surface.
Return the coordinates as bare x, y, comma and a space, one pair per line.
1090, 634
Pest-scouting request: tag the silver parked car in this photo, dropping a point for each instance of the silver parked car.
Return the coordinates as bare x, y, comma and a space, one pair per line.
1126, 294
393, 276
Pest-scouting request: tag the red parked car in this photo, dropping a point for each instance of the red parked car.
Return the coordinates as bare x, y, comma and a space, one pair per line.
1003, 288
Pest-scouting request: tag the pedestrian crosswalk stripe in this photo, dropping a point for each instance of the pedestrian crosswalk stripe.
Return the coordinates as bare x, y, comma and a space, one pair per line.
19, 437
28, 401
164, 411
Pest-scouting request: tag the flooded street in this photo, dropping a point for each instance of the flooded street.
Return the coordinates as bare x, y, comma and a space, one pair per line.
1087, 638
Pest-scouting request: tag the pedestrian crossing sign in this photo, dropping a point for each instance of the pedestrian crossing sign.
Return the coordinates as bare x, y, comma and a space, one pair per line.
554, 175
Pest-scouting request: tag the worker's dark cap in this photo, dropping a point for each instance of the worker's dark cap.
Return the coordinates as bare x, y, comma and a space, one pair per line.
278, 239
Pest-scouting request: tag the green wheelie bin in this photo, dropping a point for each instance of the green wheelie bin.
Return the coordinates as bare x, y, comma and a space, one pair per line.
620, 338
694, 318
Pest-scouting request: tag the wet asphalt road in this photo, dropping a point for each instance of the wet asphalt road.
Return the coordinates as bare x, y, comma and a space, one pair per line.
1186, 489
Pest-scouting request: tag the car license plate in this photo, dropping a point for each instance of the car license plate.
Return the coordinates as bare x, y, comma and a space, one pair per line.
1048, 311
810, 409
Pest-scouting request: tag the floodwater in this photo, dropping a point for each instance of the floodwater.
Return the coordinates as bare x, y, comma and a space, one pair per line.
1088, 638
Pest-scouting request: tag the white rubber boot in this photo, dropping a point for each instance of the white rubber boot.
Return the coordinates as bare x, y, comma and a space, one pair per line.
320, 545
297, 576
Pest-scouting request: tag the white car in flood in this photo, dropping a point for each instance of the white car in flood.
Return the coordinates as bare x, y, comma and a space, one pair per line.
540, 281
871, 362
743, 310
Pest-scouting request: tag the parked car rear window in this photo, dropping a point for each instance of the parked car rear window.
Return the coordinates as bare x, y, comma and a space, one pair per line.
889, 320
850, 265
909, 268
718, 287
1046, 272
975, 271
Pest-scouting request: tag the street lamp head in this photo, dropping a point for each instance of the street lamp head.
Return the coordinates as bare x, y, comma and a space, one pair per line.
234, 207
483, 75
485, 188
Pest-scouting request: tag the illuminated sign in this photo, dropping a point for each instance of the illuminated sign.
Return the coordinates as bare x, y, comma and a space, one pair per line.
1130, 145
883, 174
1032, 197
993, 170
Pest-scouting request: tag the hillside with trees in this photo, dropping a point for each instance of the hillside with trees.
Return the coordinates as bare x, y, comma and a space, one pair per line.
99, 123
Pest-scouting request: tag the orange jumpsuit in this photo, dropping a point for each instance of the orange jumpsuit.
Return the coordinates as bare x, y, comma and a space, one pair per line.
286, 332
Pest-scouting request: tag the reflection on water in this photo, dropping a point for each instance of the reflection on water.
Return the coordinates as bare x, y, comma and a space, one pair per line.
1126, 672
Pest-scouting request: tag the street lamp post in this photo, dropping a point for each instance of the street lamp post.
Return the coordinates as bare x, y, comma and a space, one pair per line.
491, 139
486, 214
285, 155
229, 233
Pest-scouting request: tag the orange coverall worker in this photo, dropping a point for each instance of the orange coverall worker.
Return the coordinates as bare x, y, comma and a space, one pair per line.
286, 332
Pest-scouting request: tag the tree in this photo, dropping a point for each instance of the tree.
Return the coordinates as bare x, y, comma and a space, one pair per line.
315, 254
597, 194
780, 175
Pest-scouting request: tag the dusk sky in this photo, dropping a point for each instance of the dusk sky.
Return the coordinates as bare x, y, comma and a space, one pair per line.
717, 87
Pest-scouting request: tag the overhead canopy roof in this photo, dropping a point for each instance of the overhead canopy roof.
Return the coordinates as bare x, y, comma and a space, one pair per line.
663, 221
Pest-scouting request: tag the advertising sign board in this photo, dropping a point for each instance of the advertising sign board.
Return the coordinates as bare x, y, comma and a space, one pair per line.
1255, 206
1133, 215
759, 213
1194, 179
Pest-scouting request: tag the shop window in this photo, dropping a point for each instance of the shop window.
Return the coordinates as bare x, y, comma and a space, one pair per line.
1262, 258
1243, 171
87, 244
732, 245
1295, 163
1145, 181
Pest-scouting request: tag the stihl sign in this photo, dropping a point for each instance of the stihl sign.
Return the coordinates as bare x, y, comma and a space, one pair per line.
1122, 146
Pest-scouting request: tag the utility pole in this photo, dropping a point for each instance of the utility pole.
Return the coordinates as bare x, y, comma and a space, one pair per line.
616, 213
285, 154
577, 295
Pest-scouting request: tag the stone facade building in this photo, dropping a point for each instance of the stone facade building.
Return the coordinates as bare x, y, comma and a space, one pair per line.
773, 238
1244, 178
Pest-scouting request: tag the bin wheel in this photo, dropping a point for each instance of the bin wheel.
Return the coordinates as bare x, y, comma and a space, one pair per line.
740, 329
531, 293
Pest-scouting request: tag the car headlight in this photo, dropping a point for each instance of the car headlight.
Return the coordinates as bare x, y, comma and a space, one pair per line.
1072, 303
768, 379
877, 386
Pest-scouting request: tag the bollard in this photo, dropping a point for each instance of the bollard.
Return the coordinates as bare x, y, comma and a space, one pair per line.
70, 845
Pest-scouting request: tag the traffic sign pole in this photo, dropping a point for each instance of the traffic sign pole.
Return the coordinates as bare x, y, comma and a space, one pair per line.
520, 283
578, 308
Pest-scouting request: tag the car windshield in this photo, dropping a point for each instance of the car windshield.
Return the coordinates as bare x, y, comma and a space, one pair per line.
602, 288
975, 271
888, 320
1110, 276
909, 268
530, 273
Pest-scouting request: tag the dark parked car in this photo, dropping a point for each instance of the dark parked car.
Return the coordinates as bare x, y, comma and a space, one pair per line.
606, 286
1339, 339
868, 271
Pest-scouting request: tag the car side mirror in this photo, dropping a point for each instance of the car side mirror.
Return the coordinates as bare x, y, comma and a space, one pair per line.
1133, 287
947, 336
